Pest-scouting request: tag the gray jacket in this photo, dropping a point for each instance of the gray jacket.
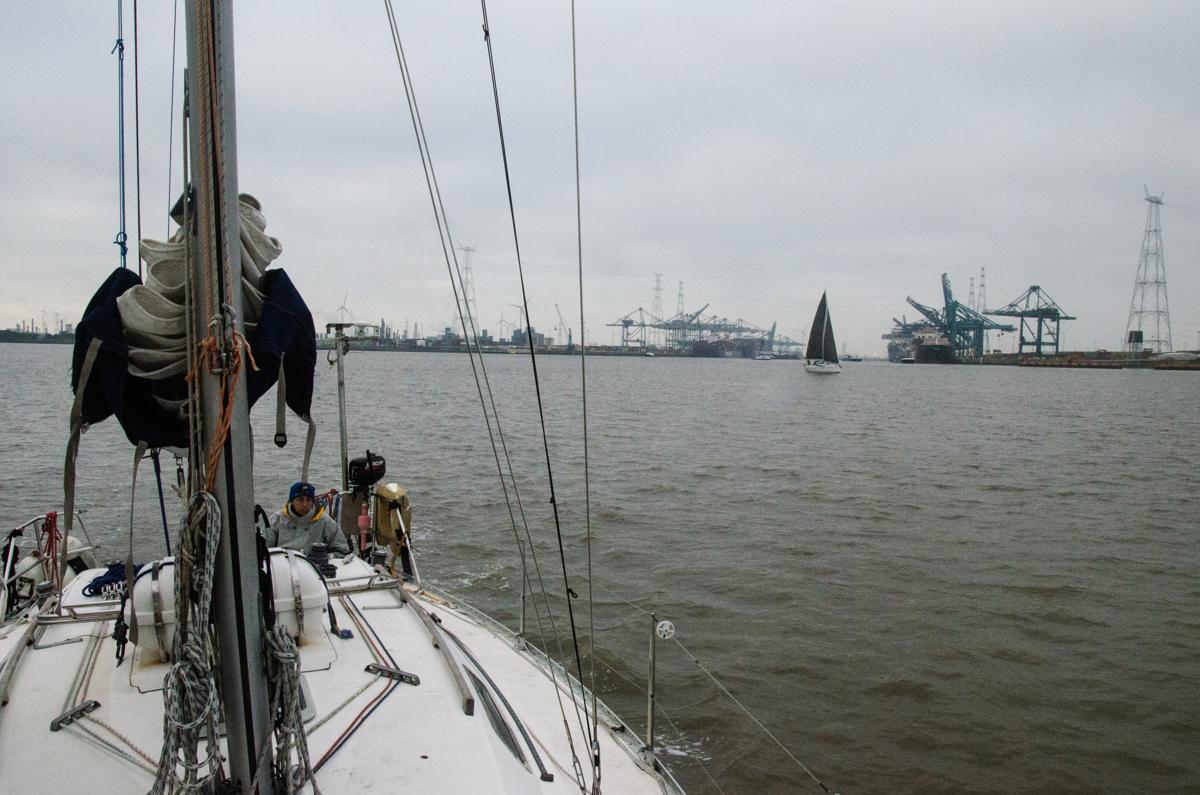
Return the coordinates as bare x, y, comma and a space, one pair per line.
301, 532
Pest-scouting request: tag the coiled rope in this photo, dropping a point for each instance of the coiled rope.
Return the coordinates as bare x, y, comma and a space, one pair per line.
283, 671
191, 705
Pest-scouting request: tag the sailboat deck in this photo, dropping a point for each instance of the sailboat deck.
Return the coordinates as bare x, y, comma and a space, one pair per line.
403, 736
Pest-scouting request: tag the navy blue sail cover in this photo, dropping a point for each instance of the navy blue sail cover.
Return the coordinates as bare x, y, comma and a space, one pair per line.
285, 333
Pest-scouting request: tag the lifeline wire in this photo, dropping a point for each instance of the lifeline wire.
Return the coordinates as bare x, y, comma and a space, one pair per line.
749, 714
711, 677
447, 251
487, 37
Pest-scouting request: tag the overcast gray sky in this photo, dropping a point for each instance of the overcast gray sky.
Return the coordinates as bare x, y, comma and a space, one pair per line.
759, 152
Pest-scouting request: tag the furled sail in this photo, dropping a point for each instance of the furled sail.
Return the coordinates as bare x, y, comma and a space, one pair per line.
152, 315
140, 369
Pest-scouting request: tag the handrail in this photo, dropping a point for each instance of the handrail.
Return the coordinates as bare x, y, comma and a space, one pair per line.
439, 643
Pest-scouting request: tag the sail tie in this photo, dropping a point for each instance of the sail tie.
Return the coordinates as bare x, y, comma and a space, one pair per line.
85, 373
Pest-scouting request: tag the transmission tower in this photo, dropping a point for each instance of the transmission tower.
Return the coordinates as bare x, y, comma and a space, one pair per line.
679, 301
468, 279
1149, 324
971, 296
657, 309
981, 305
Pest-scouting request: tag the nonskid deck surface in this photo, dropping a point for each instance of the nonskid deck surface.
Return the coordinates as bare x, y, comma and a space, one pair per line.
364, 730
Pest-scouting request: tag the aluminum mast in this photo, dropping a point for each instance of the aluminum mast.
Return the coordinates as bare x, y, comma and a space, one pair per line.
217, 286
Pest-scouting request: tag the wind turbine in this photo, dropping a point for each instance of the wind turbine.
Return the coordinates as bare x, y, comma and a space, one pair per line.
344, 310
520, 316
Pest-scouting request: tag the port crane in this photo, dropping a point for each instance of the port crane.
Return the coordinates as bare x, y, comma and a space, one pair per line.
685, 329
961, 325
564, 328
1041, 320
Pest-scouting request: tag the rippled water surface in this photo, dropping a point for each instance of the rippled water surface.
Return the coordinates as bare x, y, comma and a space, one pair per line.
917, 577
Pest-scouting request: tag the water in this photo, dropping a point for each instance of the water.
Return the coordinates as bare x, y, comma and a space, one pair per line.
917, 577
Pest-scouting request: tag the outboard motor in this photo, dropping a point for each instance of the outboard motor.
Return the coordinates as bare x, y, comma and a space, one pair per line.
361, 474
365, 472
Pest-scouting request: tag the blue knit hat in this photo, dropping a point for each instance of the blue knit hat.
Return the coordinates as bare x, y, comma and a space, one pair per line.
301, 489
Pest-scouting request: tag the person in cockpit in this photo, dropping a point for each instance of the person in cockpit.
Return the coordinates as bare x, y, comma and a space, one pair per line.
302, 523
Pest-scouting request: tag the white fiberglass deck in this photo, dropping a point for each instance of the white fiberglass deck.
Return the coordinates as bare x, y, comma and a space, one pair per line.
414, 737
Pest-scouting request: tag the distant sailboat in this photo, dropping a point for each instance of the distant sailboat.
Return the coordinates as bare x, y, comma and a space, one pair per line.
822, 355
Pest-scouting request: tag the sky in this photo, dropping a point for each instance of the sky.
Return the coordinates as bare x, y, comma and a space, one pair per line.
759, 152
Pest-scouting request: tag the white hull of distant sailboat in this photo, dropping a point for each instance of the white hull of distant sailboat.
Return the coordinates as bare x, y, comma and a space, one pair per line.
822, 367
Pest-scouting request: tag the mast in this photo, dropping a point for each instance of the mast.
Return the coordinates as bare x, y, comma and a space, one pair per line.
217, 285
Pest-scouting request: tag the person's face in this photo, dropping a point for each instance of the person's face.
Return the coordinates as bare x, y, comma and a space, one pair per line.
302, 505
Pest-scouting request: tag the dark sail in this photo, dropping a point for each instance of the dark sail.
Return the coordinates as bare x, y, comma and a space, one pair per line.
829, 346
821, 344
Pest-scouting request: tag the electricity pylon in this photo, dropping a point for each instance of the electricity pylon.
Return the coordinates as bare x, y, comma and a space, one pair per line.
657, 309
1149, 324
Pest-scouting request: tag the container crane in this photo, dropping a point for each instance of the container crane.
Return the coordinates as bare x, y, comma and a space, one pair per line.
1040, 316
961, 325
562, 326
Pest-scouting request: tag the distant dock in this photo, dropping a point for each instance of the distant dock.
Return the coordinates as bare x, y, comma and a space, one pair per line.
1100, 360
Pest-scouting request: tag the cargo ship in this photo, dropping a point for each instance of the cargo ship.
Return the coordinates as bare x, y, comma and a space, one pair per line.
906, 338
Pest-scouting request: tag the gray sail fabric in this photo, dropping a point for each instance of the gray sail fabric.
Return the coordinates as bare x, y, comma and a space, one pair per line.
152, 315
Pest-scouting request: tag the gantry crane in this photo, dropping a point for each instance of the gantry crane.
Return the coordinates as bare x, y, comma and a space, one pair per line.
962, 326
1040, 316
563, 327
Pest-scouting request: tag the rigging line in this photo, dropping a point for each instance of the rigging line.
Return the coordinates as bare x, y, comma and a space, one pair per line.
448, 254
508, 461
171, 123
587, 490
615, 595
749, 714
119, 49
487, 37
137, 142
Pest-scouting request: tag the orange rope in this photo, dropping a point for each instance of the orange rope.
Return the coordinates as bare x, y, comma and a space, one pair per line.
209, 355
51, 538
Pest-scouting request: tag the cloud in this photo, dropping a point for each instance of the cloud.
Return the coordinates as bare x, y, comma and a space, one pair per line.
758, 153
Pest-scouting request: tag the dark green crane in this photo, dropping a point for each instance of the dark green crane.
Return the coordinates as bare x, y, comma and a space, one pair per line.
1041, 319
961, 325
